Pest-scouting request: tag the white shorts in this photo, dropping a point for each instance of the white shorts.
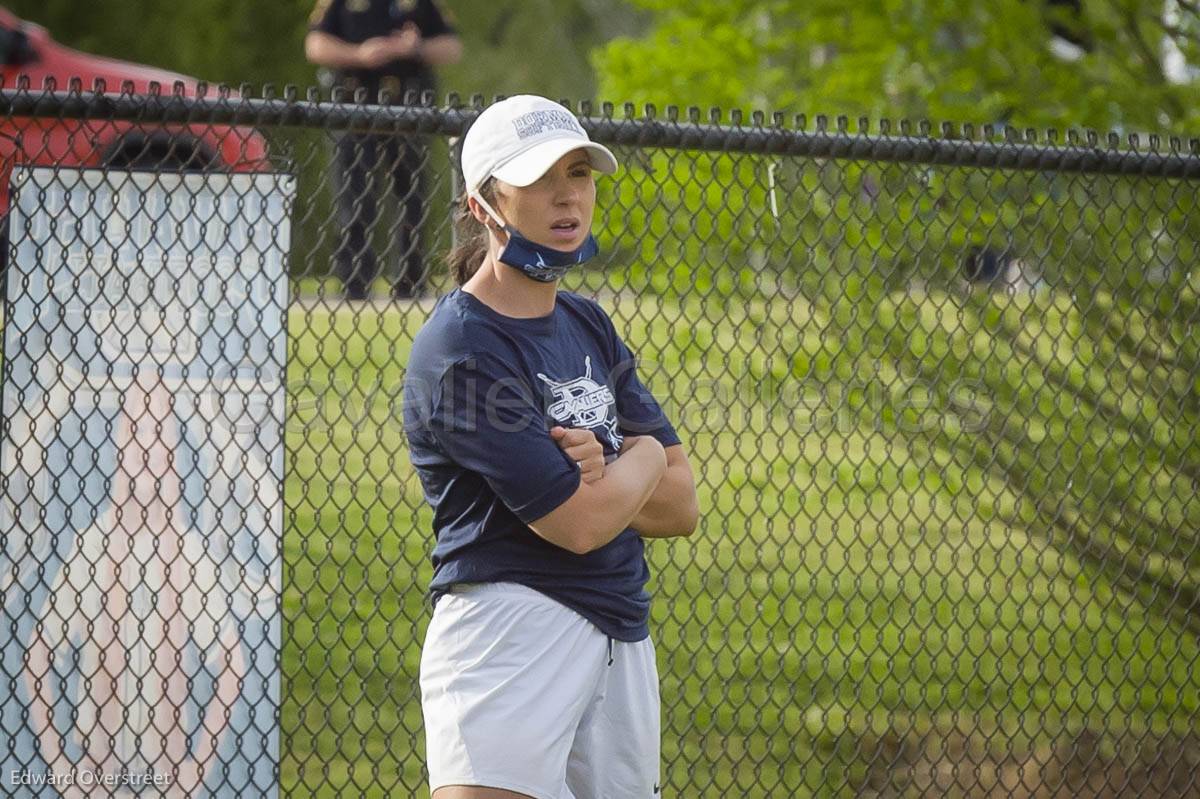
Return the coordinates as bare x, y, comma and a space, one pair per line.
520, 692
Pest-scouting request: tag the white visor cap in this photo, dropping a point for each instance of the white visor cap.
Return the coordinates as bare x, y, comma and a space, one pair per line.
518, 139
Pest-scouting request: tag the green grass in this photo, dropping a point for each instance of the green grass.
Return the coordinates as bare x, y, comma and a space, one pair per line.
848, 578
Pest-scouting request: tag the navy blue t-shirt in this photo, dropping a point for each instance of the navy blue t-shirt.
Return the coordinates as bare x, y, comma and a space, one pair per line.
481, 392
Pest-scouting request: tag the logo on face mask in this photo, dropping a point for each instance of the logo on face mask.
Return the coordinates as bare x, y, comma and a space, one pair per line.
583, 402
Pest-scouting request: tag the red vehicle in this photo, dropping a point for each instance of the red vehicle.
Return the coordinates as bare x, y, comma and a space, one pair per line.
27, 49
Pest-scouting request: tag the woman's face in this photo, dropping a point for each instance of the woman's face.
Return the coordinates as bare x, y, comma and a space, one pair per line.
556, 210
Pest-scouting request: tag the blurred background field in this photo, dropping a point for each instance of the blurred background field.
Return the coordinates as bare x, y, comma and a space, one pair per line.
853, 583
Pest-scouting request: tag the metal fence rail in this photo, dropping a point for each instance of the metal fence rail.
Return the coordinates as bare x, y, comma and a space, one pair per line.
941, 393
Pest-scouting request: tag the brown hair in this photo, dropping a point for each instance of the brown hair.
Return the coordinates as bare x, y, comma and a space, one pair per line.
467, 256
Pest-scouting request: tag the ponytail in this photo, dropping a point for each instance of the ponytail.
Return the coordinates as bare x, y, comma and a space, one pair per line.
467, 256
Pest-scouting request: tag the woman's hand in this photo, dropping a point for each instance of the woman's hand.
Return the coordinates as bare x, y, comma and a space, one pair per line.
581, 446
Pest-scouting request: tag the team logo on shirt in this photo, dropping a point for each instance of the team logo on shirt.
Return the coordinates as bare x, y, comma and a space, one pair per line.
583, 402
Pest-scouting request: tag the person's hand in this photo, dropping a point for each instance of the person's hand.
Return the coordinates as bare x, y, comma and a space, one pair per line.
406, 42
581, 446
376, 51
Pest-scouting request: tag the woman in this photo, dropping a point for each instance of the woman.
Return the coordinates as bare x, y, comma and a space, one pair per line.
547, 463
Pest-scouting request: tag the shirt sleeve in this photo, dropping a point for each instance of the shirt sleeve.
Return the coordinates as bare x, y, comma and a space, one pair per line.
487, 420
433, 21
638, 412
325, 16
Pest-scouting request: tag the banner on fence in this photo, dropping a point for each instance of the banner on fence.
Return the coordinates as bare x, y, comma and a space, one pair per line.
141, 505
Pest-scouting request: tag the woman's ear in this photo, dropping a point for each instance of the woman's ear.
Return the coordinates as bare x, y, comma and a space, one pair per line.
485, 219
481, 216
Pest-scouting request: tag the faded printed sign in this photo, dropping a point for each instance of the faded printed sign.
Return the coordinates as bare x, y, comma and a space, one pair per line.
141, 484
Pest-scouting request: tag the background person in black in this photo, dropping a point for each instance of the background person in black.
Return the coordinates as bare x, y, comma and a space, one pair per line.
388, 45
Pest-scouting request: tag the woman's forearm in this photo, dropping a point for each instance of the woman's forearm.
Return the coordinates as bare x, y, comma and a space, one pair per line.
672, 509
329, 51
441, 50
598, 512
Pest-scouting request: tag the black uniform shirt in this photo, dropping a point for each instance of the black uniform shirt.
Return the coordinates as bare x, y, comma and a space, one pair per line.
355, 21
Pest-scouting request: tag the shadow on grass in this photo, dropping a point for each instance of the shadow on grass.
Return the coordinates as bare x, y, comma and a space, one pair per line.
973, 765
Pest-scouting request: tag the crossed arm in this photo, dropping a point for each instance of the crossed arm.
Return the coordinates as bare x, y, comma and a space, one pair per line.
330, 51
672, 509
648, 487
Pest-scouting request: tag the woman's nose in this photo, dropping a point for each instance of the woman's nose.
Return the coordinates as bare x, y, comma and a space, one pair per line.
565, 192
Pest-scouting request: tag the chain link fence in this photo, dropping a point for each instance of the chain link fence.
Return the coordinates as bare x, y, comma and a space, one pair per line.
941, 394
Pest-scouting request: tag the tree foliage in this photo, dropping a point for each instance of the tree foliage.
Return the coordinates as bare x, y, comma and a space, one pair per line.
998, 62
1083, 388
510, 47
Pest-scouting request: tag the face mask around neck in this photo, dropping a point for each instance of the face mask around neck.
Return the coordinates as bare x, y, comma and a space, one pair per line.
537, 261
